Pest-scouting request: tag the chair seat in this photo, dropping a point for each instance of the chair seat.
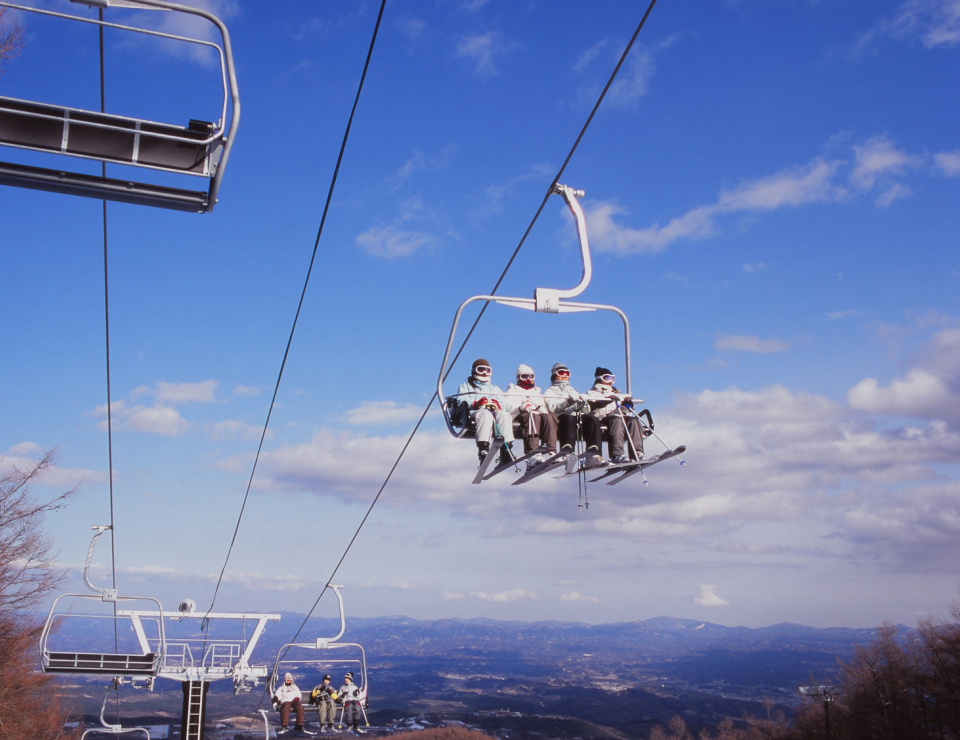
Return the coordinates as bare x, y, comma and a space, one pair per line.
101, 664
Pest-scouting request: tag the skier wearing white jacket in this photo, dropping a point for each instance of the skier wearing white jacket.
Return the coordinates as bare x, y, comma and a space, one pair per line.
288, 697
537, 424
607, 403
569, 406
483, 399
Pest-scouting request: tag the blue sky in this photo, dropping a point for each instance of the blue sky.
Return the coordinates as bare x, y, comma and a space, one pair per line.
771, 193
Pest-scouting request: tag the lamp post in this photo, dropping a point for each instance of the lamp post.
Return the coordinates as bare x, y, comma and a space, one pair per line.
826, 695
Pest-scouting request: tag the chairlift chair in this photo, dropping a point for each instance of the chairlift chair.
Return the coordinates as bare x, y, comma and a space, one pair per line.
137, 668
545, 300
200, 148
315, 654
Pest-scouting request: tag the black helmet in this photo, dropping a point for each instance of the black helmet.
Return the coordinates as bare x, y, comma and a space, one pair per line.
327, 677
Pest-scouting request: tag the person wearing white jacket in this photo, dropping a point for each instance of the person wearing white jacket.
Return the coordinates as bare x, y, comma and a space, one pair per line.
537, 425
483, 399
570, 407
607, 403
288, 697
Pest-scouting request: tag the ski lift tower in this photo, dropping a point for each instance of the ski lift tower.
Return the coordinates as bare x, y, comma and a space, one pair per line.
196, 662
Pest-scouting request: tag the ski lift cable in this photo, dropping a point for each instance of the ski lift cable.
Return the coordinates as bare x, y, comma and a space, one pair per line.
303, 294
106, 322
516, 251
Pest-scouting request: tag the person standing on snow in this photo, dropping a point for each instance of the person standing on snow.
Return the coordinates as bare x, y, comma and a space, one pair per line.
352, 696
480, 395
569, 406
605, 404
287, 697
537, 425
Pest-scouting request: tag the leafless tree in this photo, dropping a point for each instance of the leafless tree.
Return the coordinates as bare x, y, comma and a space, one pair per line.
26, 575
30, 705
11, 35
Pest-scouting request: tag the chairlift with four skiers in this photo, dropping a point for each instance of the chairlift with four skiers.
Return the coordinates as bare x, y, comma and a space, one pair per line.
577, 422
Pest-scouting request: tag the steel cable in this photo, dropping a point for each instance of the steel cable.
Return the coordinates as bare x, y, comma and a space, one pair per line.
306, 282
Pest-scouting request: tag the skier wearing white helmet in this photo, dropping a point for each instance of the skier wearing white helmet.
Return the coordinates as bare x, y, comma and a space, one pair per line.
537, 425
483, 399
571, 408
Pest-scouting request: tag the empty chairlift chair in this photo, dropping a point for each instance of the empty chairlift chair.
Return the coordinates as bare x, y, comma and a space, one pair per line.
58, 656
200, 148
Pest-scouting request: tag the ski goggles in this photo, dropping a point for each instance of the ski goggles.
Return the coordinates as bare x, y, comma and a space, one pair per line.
525, 376
482, 370
563, 373
608, 379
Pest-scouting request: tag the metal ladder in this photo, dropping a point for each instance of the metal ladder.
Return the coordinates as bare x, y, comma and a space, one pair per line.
193, 711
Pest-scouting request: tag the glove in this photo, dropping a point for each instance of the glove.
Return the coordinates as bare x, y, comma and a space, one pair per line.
528, 406
628, 402
480, 402
496, 403
296, 700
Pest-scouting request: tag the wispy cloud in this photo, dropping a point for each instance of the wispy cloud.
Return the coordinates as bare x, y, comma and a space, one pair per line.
179, 393
633, 79
25, 455
935, 23
948, 163
402, 238
484, 50
754, 266
575, 596
495, 194
391, 242
419, 161
382, 412
792, 187
246, 390
877, 166
749, 343
231, 429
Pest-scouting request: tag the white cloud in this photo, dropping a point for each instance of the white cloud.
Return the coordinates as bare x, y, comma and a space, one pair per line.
391, 242
930, 391
407, 585
246, 390
744, 343
934, 22
631, 83
754, 267
836, 315
483, 50
178, 393
396, 239
514, 594
948, 163
589, 55
382, 412
496, 193
575, 596
25, 448
877, 157
156, 419
708, 596
790, 187
231, 429
54, 476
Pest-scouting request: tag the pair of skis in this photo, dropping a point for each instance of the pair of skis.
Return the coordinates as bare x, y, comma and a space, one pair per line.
627, 469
